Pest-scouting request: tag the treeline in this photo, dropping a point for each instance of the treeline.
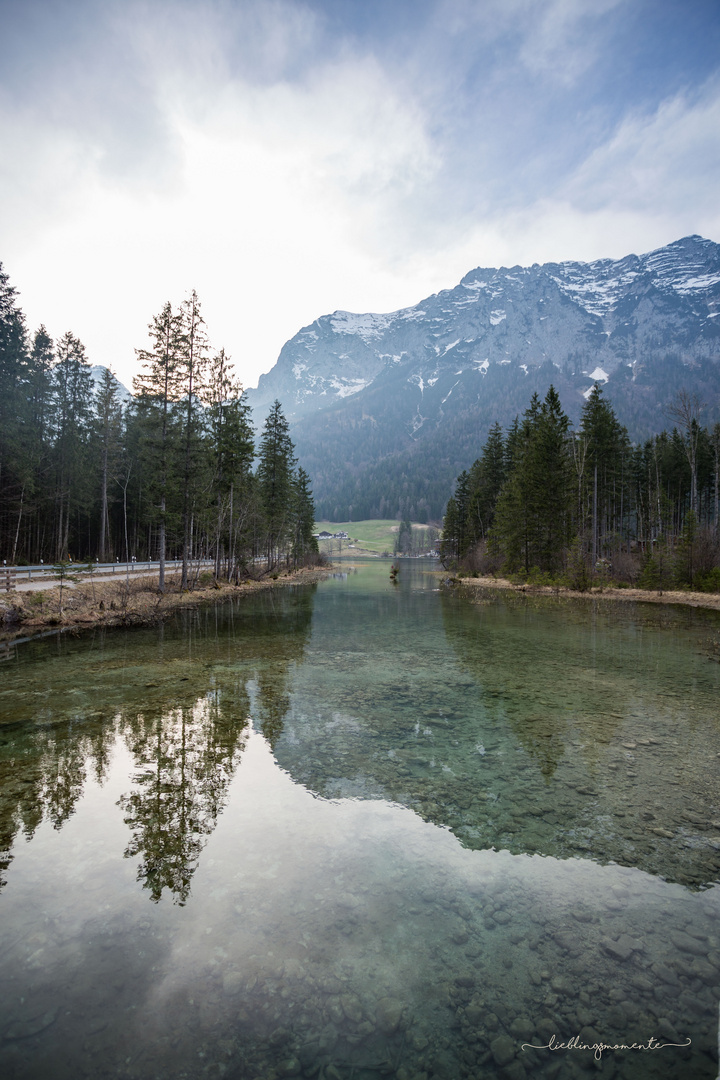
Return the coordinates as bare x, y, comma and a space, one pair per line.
171, 473
547, 503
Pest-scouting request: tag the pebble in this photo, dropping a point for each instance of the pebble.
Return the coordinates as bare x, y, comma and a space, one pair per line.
623, 948
503, 1050
232, 982
562, 985
522, 1029
685, 943
388, 1014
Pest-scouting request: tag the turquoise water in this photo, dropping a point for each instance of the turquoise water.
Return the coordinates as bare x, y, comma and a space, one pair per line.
363, 830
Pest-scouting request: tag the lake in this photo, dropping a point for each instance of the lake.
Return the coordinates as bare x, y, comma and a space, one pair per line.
364, 830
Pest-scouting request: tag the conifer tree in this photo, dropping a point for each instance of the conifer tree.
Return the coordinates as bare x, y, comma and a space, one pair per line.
275, 481
304, 544
158, 389
449, 541
601, 446
73, 396
486, 479
231, 446
193, 374
108, 436
404, 539
532, 524
13, 372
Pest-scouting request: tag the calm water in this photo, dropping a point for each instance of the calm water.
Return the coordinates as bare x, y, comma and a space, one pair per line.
363, 830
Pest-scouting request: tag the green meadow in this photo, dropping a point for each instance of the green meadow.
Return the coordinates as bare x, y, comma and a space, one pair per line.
374, 535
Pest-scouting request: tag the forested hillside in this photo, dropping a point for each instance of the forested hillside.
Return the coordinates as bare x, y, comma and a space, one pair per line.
386, 409
86, 475
545, 501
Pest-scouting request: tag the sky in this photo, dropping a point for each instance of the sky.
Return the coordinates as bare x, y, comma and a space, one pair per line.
288, 158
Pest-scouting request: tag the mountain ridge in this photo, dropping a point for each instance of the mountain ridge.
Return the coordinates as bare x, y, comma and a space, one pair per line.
416, 388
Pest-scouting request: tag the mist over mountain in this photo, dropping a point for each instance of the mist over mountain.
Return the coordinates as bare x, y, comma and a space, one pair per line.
386, 409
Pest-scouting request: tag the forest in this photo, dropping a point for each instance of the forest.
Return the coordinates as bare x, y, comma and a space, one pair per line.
175, 472
548, 504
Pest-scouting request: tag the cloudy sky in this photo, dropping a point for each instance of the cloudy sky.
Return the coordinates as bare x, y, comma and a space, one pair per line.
287, 158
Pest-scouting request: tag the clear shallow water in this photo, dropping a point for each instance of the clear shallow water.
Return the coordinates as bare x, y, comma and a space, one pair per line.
363, 830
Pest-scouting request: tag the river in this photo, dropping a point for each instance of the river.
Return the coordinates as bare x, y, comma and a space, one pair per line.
363, 830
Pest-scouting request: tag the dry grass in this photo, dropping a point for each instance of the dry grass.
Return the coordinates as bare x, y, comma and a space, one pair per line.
691, 599
136, 602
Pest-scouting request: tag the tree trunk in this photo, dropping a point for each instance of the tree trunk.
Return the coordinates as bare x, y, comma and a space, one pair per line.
103, 504
17, 530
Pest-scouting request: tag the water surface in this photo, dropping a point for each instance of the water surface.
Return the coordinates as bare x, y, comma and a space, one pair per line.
363, 830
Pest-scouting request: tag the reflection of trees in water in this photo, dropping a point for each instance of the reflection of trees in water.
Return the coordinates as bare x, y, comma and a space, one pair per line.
273, 682
184, 730
184, 760
44, 778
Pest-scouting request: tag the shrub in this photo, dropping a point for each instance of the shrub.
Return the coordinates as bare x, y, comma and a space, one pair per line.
709, 581
577, 575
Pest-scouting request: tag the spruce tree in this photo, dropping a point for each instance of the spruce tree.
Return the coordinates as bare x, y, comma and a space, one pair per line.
193, 374
305, 544
532, 523
13, 413
449, 541
601, 447
486, 479
158, 390
108, 439
275, 482
73, 399
231, 447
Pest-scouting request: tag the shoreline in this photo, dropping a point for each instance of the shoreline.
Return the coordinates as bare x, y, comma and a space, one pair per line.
709, 601
114, 603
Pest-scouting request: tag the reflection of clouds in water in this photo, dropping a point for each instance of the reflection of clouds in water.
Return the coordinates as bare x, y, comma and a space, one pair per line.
351, 932
378, 929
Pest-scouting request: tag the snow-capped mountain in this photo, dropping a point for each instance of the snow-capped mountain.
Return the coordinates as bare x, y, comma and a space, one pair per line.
370, 396
594, 315
97, 372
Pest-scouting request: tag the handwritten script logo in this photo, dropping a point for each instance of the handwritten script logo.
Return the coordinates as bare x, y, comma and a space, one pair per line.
598, 1048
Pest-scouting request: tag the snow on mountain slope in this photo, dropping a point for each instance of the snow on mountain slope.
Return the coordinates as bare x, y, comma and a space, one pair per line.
600, 315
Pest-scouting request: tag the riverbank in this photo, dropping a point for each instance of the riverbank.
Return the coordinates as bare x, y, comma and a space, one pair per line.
605, 592
133, 602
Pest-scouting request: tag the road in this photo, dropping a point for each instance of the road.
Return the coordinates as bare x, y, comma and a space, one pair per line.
32, 578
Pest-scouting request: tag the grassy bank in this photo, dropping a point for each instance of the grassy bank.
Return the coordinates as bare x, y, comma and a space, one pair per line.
475, 585
136, 602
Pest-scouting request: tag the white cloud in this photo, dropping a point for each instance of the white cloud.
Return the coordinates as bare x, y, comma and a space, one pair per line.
278, 197
239, 149
668, 160
566, 38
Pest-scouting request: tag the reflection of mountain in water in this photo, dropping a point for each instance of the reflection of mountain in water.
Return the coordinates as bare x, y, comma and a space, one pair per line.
177, 697
546, 729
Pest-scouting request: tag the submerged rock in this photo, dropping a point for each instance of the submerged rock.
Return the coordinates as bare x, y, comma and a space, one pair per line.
503, 1049
24, 1029
388, 1014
